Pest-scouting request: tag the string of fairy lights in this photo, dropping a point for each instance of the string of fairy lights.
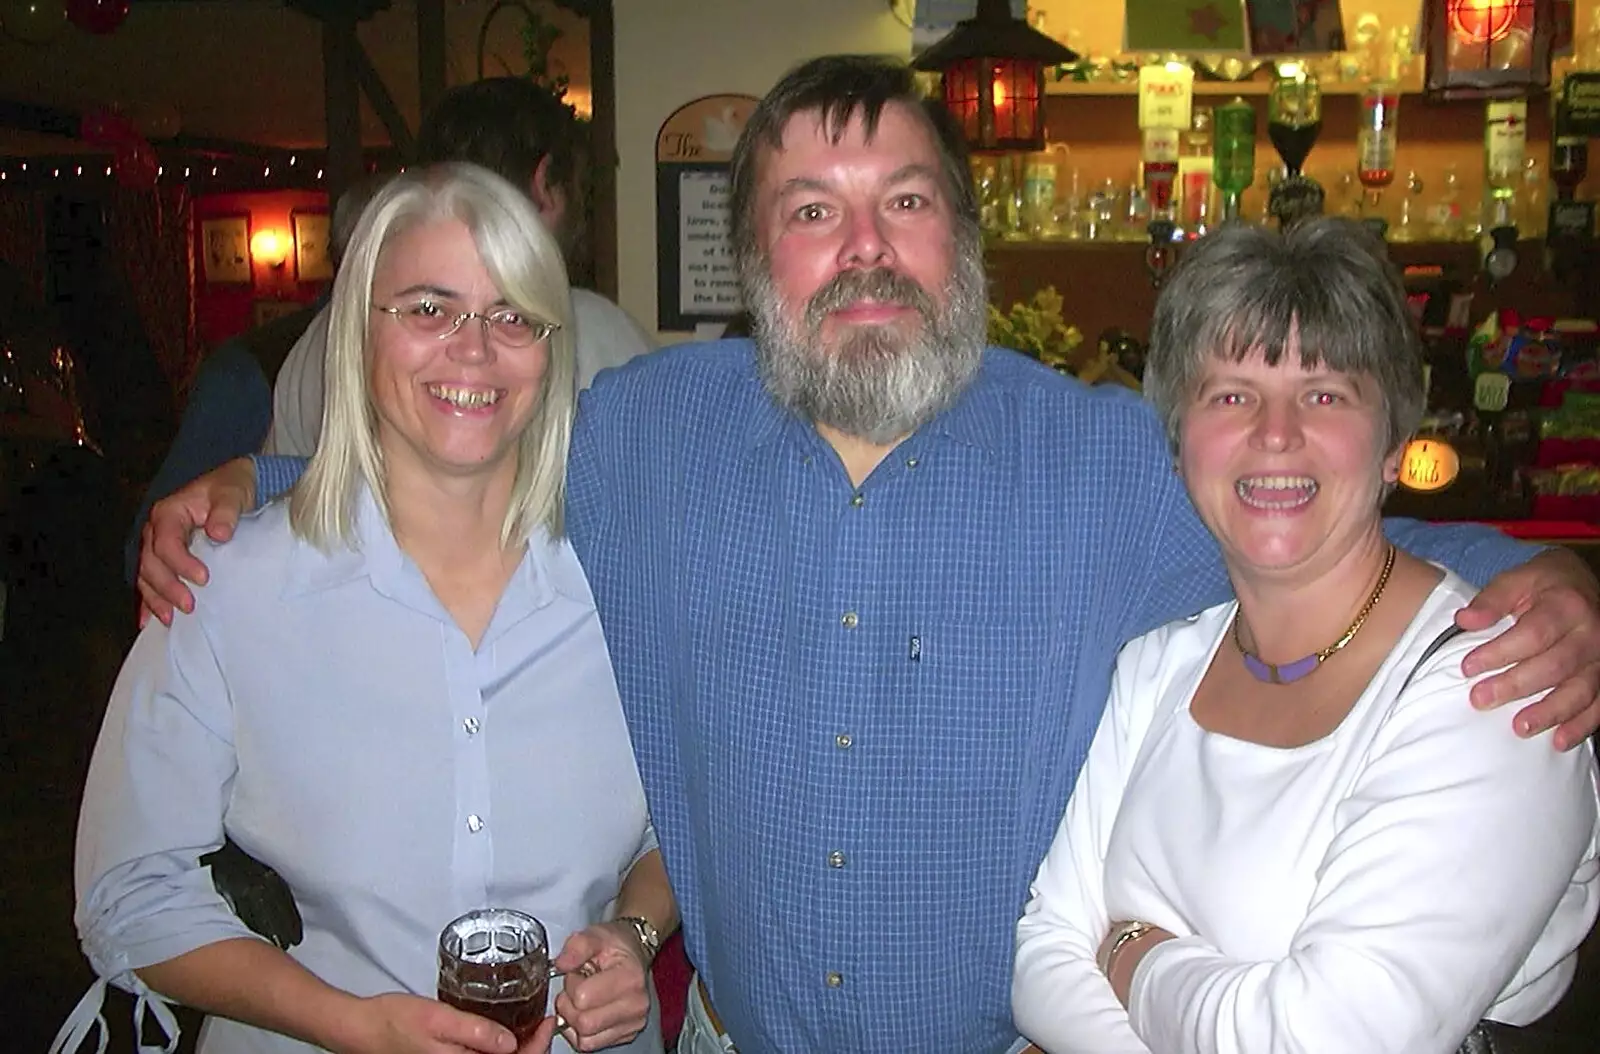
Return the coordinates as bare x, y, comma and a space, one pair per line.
200, 172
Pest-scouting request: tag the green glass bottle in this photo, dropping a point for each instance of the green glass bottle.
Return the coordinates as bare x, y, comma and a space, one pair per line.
1233, 153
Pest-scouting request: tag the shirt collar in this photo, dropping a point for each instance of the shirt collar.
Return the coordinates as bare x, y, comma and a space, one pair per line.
977, 418
547, 568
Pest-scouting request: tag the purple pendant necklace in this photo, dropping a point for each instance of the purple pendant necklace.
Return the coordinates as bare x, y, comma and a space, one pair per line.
1290, 672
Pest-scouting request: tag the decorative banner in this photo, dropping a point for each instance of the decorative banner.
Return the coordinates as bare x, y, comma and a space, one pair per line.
1294, 27
1210, 26
696, 280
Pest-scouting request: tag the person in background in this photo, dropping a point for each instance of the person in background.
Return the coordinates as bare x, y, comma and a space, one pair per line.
1291, 831
401, 702
864, 580
526, 135
229, 410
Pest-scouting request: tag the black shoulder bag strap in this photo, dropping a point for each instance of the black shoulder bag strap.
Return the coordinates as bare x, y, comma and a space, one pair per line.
1432, 649
1488, 1037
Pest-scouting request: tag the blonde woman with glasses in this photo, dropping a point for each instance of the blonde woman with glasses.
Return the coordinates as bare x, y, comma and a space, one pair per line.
397, 694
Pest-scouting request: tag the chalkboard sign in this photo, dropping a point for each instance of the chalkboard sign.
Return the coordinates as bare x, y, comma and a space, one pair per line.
1580, 104
697, 280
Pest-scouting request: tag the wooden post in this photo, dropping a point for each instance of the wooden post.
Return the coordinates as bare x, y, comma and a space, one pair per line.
603, 133
341, 86
430, 53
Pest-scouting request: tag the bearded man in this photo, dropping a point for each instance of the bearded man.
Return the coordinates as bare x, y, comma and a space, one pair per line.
863, 581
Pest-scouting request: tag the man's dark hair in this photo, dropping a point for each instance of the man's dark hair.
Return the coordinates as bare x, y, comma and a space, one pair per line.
507, 125
838, 88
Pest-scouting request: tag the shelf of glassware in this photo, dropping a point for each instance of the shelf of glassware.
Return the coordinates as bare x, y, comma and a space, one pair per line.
1407, 252
1256, 86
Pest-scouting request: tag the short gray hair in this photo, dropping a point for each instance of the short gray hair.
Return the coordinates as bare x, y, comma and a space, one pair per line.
525, 264
1325, 281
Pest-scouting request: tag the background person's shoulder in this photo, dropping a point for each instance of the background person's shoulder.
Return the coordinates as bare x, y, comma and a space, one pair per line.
607, 336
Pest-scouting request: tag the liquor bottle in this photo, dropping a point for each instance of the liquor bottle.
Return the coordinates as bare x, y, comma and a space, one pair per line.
1233, 153
1376, 141
1159, 161
1569, 156
1294, 115
1294, 121
1505, 143
1194, 175
1160, 164
1569, 223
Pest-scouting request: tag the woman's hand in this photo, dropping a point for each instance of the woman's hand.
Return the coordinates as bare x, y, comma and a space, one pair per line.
605, 1000
1125, 959
396, 1023
1555, 644
215, 501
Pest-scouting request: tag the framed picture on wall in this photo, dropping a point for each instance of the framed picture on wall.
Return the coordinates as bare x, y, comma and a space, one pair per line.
312, 263
225, 248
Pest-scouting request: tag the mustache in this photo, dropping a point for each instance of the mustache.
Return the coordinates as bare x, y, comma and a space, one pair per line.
879, 284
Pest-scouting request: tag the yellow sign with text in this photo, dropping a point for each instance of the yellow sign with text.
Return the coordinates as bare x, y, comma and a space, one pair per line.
1428, 465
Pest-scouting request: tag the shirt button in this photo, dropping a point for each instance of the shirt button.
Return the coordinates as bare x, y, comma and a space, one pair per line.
843, 741
850, 620
858, 499
835, 979
471, 724
474, 823
912, 462
836, 859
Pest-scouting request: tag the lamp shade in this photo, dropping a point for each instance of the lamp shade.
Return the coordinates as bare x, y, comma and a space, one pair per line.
1488, 49
993, 67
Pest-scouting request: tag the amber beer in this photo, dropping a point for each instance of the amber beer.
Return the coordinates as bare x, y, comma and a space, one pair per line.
522, 1016
496, 963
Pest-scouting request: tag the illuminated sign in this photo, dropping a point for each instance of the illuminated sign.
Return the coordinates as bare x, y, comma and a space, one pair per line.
1427, 465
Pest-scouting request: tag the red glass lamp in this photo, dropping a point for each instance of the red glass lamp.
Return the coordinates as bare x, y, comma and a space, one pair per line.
993, 68
1488, 49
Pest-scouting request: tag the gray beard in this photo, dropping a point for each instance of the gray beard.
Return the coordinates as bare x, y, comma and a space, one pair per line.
878, 383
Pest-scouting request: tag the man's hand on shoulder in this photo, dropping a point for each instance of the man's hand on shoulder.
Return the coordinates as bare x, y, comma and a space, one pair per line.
213, 502
1554, 645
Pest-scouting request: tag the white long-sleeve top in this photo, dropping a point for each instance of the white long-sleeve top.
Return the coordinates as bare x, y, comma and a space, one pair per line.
1378, 890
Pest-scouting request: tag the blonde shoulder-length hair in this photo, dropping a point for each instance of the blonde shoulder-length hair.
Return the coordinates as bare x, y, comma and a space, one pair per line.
522, 259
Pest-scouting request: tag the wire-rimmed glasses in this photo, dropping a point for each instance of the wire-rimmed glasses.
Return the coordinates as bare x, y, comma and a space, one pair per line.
504, 325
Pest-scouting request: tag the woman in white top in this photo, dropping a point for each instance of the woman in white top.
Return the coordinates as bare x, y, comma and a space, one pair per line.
1292, 834
395, 691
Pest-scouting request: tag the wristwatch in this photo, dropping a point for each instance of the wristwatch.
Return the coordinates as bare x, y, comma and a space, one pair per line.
649, 936
1122, 933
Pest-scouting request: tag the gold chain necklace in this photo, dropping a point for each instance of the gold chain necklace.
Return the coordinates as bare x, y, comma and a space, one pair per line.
1289, 672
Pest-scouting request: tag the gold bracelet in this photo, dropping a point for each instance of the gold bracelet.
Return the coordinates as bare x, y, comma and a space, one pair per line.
1122, 933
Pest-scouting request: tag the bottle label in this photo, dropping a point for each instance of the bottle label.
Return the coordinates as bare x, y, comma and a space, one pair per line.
1166, 97
1505, 138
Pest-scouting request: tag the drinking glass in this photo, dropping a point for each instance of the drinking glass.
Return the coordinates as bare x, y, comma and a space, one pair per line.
495, 963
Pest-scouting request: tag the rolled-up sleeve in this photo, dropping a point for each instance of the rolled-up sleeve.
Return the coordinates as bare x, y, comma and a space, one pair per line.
153, 805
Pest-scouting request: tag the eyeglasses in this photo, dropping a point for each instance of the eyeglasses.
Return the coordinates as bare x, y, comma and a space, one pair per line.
504, 325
